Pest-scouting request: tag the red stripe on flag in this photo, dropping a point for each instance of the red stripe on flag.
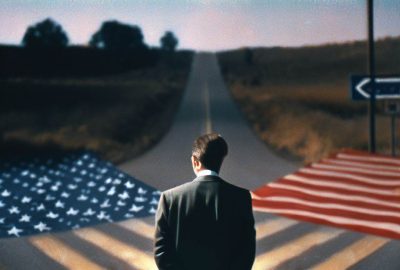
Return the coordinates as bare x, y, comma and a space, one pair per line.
351, 189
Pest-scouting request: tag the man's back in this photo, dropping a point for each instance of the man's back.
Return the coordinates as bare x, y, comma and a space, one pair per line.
205, 224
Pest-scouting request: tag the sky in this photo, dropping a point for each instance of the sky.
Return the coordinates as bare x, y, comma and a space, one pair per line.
210, 25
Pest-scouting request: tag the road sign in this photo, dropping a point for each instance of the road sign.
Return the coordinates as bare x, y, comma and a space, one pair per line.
392, 106
385, 87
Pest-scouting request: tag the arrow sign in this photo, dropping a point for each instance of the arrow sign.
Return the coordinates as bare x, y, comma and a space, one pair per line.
385, 87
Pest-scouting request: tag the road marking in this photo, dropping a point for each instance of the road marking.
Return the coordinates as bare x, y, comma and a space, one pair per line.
352, 254
62, 253
126, 252
208, 109
271, 227
271, 259
139, 227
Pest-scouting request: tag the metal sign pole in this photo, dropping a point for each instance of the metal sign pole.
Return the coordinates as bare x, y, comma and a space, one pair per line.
393, 134
371, 69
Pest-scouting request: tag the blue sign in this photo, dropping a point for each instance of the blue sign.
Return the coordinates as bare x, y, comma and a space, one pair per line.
385, 87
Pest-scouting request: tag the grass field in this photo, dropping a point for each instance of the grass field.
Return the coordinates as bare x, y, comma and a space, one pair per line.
117, 116
297, 99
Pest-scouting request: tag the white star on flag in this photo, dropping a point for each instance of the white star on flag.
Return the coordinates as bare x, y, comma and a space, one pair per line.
52, 215
14, 230
142, 191
13, 210
124, 195
103, 215
41, 226
91, 184
140, 199
116, 182
65, 194
26, 199
105, 204
111, 191
154, 201
59, 204
5, 193
51, 194
121, 203
136, 208
128, 184
108, 181
25, 218
72, 212
82, 198
89, 212
41, 207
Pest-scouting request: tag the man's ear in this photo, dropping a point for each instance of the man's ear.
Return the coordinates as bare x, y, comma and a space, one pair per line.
196, 163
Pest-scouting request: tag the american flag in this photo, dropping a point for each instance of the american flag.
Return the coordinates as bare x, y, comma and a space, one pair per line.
350, 189
62, 192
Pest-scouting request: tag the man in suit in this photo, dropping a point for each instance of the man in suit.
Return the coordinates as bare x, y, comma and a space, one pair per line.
205, 224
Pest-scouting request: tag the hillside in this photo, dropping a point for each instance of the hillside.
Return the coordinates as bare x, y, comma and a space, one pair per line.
297, 99
116, 111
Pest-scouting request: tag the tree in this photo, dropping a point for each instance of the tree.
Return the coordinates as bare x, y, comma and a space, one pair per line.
116, 35
169, 42
47, 33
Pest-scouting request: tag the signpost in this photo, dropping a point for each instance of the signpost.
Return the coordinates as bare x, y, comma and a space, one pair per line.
392, 107
385, 87
371, 69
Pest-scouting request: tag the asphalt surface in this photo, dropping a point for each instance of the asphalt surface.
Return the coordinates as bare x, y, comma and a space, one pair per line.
281, 243
207, 106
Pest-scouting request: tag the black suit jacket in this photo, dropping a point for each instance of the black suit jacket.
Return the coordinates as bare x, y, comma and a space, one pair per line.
205, 224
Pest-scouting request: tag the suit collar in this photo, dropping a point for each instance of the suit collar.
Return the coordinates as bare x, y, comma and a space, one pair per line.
207, 178
206, 172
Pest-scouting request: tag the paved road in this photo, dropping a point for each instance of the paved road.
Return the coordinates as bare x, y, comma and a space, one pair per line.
281, 243
207, 106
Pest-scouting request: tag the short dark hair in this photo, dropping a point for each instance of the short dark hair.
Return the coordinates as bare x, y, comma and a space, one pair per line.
210, 149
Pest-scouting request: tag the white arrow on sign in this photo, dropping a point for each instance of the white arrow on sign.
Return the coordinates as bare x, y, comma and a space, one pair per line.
366, 81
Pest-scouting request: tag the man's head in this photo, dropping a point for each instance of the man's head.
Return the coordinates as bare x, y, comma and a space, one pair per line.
208, 152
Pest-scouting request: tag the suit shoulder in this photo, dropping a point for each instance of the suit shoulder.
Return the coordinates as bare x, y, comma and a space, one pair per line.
176, 190
238, 189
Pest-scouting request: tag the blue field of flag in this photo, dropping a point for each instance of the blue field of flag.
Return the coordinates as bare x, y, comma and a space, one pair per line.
68, 192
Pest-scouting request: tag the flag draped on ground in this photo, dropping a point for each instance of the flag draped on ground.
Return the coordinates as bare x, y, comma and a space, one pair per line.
70, 191
350, 189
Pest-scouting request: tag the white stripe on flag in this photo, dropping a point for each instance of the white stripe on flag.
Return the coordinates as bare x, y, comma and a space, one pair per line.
322, 205
334, 195
368, 158
362, 165
335, 219
322, 183
359, 170
382, 182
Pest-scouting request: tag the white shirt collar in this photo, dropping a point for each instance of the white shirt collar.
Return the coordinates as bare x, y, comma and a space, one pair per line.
206, 172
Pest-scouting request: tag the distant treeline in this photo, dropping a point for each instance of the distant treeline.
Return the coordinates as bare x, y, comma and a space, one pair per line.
114, 48
310, 63
80, 61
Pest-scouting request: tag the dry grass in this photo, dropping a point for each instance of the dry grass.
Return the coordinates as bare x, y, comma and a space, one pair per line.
309, 121
297, 99
118, 116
